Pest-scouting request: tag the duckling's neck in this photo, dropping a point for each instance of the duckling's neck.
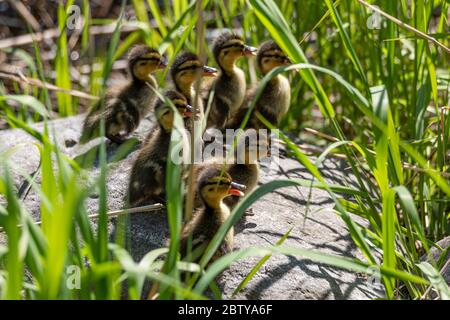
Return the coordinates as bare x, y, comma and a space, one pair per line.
141, 81
187, 90
164, 132
218, 210
228, 68
215, 204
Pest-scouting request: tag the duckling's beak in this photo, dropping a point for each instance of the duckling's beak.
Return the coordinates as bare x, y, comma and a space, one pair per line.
162, 64
188, 112
209, 71
250, 51
236, 189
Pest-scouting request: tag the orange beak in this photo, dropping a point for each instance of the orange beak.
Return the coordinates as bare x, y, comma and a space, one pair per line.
236, 189
249, 51
162, 64
209, 71
188, 112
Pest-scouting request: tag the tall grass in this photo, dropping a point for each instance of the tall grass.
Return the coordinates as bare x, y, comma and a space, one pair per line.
385, 103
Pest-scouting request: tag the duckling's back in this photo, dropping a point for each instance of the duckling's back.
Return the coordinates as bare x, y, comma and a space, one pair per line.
122, 108
147, 177
203, 226
228, 97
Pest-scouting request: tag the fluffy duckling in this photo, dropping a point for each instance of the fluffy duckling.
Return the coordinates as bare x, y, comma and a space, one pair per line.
184, 72
213, 186
230, 85
147, 179
274, 101
246, 170
124, 107
243, 166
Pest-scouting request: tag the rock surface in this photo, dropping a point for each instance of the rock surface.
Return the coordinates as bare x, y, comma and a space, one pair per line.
435, 255
316, 226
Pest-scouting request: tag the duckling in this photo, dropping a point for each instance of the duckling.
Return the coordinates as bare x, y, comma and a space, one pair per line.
147, 178
230, 85
243, 166
213, 186
124, 107
184, 71
274, 101
246, 170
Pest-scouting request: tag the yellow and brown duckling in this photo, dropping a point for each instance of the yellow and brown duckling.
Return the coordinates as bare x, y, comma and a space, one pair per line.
124, 107
243, 166
214, 186
274, 101
250, 149
185, 71
230, 86
147, 178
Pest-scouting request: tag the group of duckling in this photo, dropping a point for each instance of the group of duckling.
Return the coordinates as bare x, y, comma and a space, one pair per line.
123, 108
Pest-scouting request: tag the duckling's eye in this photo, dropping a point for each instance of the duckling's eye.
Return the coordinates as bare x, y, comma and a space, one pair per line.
210, 189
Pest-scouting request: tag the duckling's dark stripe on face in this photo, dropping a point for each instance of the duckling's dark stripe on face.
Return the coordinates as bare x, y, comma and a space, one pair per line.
167, 111
152, 55
150, 59
234, 44
193, 67
281, 58
218, 182
179, 103
274, 54
189, 65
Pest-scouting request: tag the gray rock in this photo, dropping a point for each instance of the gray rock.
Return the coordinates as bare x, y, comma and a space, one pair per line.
316, 226
436, 253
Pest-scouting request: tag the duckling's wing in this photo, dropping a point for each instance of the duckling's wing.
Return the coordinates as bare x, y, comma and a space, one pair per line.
102, 109
91, 123
151, 134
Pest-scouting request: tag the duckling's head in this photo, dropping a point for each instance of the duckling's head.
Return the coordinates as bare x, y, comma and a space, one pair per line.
252, 147
271, 56
187, 68
229, 47
215, 184
143, 61
164, 113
